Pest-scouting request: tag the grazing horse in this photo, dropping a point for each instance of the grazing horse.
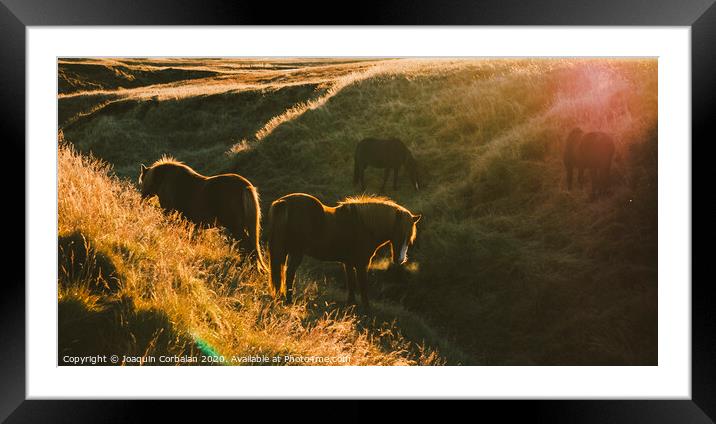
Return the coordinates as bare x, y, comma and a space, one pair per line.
351, 233
228, 199
389, 154
593, 151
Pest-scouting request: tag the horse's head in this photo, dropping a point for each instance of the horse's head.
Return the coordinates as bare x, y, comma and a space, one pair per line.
147, 183
574, 136
403, 235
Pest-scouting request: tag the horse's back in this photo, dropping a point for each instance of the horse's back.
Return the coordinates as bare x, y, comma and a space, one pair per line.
302, 218
303, 209
300, 200
221, 191
219, 197
381, 152
227, 182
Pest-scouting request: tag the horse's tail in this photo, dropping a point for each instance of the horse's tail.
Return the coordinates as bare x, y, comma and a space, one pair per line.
276, 232
252, 219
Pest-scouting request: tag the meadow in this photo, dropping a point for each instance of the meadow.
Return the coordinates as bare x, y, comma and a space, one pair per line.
509, 268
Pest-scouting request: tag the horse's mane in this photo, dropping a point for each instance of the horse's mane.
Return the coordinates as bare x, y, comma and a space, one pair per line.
167, 160
375, 200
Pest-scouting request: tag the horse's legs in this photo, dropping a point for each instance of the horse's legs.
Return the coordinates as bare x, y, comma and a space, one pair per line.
246, 236
278, 264
362, 271
606, 177
385, 178
596, 181
395, 178
294, 260
350, 273
580, 178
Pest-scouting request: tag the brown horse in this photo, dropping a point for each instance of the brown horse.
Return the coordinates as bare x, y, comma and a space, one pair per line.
351, 233
390, 154
228, 199
593, 151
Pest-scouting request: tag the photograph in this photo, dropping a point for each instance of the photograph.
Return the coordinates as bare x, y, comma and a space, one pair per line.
360, 211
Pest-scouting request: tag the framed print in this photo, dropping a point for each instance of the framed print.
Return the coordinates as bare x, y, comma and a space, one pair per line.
494, 203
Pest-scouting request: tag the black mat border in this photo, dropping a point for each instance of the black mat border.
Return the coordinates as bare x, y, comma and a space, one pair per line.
16, 15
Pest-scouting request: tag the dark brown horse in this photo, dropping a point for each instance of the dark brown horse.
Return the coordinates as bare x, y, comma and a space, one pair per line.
390, 154
351, 233
593, 151
228, 199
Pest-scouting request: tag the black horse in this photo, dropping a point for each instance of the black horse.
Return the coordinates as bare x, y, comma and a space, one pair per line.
388, 154
593, 151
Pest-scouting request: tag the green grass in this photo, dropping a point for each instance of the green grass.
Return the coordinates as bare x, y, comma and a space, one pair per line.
508, 267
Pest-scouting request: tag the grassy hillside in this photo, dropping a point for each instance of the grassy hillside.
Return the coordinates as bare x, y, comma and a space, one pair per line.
508, 267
